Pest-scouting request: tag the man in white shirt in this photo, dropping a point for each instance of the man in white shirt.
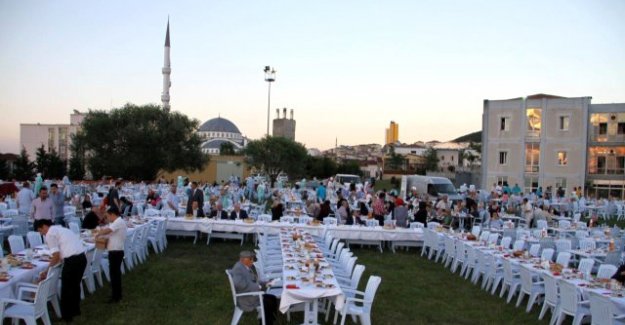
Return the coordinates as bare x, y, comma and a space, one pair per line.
25, 199
65, 247
528, 212
173, 201
116, 234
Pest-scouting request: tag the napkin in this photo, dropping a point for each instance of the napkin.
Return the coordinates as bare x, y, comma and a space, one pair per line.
291, 286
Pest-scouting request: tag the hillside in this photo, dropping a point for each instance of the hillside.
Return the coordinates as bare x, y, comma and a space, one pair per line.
471, 137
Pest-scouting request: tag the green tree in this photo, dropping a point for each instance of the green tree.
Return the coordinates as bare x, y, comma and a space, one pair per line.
273, 155
320, 167
135, 142
431, 160
76, 169
23, 167
49, 164
395, 161
349, 167
4, 170
41, 161
57, 167
226, 149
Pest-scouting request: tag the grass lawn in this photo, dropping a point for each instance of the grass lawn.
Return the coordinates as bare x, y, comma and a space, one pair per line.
187, 285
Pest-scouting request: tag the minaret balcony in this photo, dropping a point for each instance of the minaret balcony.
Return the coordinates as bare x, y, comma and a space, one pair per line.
167, 70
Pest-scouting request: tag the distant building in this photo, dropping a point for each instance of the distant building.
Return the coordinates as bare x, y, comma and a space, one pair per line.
283, 127
55, 137
544, 140
218, 131
450, 154
392, 133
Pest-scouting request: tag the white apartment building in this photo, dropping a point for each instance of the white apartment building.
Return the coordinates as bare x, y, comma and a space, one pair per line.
544, 140
51, 136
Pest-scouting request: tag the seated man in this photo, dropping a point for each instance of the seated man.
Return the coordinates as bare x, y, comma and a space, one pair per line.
237, 213
246, 279
218, 212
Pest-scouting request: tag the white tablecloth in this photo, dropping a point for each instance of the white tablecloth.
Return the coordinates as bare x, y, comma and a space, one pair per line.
306, 292
340, 232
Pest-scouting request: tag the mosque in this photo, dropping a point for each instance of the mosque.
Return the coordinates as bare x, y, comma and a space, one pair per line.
214, 132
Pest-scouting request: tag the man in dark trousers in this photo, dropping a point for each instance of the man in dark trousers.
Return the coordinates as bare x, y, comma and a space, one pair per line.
67, 247
116, 234
196, 201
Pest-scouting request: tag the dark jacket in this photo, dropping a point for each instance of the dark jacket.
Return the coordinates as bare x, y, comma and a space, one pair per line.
196, 196
242, 214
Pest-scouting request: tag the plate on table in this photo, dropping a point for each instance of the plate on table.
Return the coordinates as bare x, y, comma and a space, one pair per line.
328, 285
291, 278
4, 277
27, 266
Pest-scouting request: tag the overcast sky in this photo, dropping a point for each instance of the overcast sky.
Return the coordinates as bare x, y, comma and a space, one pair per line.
347, 68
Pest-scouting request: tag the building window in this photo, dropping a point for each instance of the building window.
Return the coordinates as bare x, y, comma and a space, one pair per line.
564, 123
51, 142
621, 128
561, 182
606, 160
603, 128
503, 158
442, 158
502, 180
562, 159
534, 121
452, 158
531, 184
532, 157
504, 124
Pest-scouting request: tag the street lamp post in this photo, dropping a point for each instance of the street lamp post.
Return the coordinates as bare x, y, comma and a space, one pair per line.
270, 76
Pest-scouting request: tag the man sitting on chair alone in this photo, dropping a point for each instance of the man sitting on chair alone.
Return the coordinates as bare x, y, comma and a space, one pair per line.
246, 279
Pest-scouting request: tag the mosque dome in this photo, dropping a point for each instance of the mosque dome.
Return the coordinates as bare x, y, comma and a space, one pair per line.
219, 124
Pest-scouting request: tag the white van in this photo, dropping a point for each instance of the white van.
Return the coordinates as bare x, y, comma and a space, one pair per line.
433, 186
346, 179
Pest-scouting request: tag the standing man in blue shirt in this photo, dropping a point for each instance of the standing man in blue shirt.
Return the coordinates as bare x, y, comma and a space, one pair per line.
58, 203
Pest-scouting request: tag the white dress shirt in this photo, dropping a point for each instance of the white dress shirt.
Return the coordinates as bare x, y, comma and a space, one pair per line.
64, 241
118, 237
25, 198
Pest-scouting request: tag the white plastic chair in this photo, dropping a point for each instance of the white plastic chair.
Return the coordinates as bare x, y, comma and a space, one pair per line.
564, 224
29, 311
603, 312
287, 219
547, 254
34, 239
369, 222
563, 245
96, 266
552, 298
476, 231
74, 227
587, 244
571, 303
511, 281
460, 257
563, 259
606, 271
54, 273
505, 242
542, 224
16, 243
529, 286
492, 239
534, 250
518, 245
264, 218
360, 307
238, 312
433, 225
585, 265
330, 221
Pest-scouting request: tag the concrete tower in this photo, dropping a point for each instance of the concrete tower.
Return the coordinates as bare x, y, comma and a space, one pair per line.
166, 73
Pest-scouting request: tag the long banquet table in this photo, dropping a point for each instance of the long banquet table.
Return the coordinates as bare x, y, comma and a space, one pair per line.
303, 283
345, 232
